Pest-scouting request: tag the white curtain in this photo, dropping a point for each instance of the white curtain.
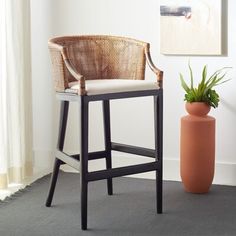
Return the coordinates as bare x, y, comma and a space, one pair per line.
15, 92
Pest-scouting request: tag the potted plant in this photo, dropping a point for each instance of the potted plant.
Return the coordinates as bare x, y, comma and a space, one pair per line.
197, 141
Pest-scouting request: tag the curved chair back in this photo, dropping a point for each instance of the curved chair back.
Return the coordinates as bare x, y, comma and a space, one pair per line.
97, 57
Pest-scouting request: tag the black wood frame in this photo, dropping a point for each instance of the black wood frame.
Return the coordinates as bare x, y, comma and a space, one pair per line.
80, 161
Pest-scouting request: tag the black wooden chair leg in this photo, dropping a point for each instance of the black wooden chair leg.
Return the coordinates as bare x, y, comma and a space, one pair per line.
84, 204
159, 191
84, 116
107, 140
60, 145
54, 176
158, 120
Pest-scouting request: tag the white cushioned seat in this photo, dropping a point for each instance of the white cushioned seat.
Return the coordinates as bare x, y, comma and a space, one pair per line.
103, 86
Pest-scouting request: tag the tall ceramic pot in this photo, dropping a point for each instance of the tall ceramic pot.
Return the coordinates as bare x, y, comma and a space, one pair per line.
197, 148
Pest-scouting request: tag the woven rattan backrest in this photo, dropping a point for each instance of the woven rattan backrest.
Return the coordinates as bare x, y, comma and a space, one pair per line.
98, 57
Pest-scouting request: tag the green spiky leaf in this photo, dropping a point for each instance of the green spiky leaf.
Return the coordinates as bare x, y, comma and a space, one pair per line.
204, 91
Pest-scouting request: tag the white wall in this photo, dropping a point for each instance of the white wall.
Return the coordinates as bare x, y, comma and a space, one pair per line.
132, 122
42, 90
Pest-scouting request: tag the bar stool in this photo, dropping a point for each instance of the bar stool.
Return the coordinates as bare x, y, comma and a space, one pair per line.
101, 68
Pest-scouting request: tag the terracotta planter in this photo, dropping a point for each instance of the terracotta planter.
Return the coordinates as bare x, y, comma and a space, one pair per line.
197, 148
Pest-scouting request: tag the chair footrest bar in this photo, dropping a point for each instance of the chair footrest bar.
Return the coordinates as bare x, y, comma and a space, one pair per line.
92, 155
133, 149
122, 171
73, 160
70, 160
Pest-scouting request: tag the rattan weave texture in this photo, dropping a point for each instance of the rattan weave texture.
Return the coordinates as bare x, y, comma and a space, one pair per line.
94, 57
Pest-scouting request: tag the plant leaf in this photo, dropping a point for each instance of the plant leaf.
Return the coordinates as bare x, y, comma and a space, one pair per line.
191, 75
184, 85
204, 74
204, 92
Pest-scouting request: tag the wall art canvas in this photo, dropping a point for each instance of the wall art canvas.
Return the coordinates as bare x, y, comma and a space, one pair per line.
190, 27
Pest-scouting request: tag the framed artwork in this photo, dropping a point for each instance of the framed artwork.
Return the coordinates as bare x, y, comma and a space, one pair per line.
190, 27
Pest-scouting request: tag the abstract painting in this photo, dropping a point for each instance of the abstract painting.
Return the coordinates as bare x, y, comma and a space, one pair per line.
190, 27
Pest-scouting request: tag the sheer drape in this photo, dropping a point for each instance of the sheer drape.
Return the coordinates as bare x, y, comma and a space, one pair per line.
15, 92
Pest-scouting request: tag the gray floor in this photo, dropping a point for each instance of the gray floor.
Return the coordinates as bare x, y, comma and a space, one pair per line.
130, 211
